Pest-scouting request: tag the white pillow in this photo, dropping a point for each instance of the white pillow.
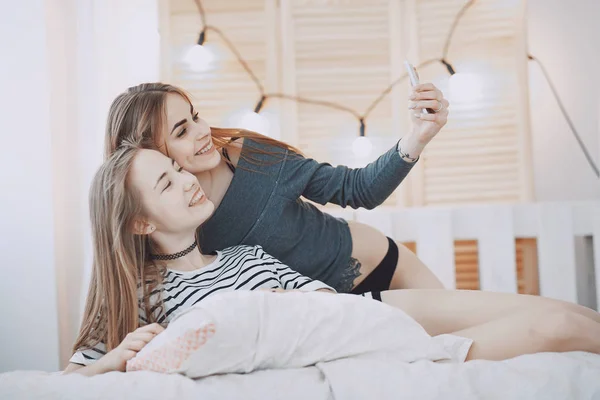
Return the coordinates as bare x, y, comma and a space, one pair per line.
243, 331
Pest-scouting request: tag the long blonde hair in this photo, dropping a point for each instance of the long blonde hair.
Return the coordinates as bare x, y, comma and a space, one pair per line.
138, 115
121, 257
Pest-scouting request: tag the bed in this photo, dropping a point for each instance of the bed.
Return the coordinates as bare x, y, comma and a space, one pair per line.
541, 376
330, 347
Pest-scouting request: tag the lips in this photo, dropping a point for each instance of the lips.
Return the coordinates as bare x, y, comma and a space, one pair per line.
205, 149
197, 198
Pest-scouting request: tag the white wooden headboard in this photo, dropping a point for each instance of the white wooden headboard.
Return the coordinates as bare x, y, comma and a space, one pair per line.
495, 227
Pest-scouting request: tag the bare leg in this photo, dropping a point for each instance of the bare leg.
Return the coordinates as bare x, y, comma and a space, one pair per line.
445, 311
529, 332
369, 247
412, 273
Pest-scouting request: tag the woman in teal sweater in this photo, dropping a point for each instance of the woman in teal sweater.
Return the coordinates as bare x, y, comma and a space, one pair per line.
256, 184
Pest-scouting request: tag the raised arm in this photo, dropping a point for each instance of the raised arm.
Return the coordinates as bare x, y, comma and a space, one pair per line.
370, 186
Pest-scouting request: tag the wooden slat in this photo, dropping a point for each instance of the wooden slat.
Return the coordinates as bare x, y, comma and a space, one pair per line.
556, 252
399, 112
379, 220
497, 268
466, 260
435, 246
522, 102
288, 78
527, 266
582, 223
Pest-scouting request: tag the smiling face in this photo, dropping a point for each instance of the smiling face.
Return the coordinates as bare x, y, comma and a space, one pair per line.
172, 199
186, 137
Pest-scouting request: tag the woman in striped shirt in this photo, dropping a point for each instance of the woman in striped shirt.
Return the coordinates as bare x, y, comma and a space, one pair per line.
147, 266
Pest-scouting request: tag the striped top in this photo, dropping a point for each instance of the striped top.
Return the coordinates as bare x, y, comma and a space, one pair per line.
235, 268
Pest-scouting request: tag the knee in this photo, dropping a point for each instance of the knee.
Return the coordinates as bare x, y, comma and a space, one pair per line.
556, 326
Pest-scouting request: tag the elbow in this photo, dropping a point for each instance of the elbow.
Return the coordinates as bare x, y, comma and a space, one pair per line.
370, 204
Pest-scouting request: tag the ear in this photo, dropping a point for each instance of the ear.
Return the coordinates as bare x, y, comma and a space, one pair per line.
141, 227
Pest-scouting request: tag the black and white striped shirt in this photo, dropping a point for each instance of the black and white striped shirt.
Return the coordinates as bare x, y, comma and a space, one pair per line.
235, 268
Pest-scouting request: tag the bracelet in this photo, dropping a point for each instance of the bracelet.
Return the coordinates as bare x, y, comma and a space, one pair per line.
405, 156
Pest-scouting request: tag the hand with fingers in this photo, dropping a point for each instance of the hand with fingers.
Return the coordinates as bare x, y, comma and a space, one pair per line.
427, 125
116, 359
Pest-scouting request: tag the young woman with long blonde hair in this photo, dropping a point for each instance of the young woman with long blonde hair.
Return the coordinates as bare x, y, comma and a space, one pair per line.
145, 210
147, 267
257, 183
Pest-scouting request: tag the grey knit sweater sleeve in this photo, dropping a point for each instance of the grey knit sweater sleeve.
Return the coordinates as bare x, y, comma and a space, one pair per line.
366, 187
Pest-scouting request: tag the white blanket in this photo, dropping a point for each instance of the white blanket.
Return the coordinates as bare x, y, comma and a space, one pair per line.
263, 330
322, 346
375, 376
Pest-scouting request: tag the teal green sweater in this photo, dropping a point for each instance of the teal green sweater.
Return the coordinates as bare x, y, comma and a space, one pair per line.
263, 207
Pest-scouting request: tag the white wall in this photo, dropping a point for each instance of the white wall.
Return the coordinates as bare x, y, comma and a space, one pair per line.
63, 62
563, 35
28, 333
115, 46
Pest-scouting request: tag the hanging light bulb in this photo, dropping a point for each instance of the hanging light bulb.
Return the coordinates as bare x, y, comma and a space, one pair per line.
465, 87
362, 146
254, 122
448, 66
199, 57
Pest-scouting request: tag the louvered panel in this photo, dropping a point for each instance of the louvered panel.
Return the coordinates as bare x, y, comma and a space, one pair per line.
215, 7
341, 53
344, 52
478, 155
224, 91
486, 20
467, 265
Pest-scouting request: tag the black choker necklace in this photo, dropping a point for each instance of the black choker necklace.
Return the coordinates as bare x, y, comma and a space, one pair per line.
175, 255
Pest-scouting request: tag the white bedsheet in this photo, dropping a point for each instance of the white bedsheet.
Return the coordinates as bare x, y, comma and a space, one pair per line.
374, 376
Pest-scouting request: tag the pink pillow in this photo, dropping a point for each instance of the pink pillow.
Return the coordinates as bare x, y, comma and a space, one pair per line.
169, 356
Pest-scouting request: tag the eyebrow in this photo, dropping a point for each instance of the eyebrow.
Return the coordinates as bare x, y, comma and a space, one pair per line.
178, 124
163, 175
160, 179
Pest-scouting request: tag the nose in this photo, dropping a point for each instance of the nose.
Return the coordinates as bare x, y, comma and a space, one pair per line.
190, 182
203, 129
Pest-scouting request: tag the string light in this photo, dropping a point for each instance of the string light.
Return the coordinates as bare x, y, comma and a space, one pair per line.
198, 57
260, 104
362, 146
253, 121
465, 87
448, 66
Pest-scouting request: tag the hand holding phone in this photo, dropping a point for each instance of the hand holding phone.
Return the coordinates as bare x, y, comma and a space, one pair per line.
414, 81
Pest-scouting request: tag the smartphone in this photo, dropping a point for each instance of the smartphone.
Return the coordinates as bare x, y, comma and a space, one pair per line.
414, 81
